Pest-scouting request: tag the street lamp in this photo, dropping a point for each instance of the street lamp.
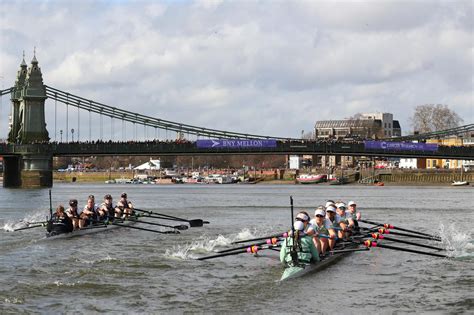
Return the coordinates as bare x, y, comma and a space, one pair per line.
72, 134
61, 133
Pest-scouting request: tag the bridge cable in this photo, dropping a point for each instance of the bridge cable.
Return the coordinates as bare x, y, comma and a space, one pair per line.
78, 121
55, 120
67, 119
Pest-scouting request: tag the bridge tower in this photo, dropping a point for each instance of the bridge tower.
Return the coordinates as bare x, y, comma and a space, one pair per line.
31, 166
31, 113
16, 96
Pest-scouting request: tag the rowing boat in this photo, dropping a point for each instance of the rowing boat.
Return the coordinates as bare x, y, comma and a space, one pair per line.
302, 269
91, 229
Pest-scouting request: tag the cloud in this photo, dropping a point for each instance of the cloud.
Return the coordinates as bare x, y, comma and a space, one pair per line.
269, 68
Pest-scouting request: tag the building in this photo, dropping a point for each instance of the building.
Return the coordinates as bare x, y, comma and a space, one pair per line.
150, 165
362, 126
412, 163
466, 140
390, 128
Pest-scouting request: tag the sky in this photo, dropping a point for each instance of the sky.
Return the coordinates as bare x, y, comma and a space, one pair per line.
263, 67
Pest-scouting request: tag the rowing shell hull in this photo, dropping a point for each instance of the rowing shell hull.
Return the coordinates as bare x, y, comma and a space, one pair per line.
292, 272
88, 230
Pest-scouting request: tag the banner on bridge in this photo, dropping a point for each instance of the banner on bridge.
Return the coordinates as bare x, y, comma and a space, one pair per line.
400, 146
236, 143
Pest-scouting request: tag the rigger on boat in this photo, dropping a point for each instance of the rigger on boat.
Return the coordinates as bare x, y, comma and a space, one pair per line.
95, 218
333, 233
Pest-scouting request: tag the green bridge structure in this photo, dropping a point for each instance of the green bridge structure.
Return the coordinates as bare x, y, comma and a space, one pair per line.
29, 151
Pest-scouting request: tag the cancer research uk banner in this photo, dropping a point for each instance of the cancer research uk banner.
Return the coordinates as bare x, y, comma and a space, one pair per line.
236, 143
400, 146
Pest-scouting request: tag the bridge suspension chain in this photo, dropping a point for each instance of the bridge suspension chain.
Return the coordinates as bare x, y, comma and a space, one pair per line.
147, 120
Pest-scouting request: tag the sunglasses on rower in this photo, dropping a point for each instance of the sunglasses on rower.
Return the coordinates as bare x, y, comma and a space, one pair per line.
299, 219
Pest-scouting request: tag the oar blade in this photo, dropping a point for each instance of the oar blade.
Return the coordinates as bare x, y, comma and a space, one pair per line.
171, 232
196, 223
181, 227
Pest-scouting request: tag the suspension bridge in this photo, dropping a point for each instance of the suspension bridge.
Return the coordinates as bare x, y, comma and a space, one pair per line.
75, 131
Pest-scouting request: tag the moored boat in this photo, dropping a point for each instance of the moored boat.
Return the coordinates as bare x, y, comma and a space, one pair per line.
311, 179
339, 181
460, 183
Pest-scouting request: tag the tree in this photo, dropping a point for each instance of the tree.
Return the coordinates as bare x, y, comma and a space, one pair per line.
434, 117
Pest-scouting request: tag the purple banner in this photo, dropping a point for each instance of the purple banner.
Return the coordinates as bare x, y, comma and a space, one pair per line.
236, 143
400, 146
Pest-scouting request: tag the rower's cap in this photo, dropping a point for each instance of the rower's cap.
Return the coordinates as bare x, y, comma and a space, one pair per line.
123, 195
330, 203
302, 216
298, 225
351, 203
331, 209
108, 196
73, 202
341, 205
320, 212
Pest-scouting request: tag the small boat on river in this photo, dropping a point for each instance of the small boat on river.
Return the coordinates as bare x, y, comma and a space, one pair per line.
311, 179
460, 183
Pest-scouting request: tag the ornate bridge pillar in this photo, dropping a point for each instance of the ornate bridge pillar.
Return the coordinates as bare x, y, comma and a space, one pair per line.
32, 164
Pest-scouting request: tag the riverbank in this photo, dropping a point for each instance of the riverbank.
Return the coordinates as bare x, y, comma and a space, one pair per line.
103, 177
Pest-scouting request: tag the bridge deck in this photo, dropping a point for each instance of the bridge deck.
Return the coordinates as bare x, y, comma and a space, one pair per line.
190, 148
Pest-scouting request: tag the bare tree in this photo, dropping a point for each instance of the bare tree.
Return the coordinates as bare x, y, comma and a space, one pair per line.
434, 117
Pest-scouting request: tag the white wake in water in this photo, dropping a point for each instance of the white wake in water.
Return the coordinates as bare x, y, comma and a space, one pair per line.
30, 218
457, 241
205, 245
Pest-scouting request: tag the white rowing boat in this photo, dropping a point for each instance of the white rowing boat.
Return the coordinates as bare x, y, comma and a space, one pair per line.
303, 269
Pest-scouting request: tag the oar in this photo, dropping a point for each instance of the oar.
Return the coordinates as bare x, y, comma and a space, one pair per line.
192, 223
369, 243
144, 229
386, 231
27, 228
37, 222
336, 251
381, 236
389, 226
251, 249
270, 241
178, 227
285, 234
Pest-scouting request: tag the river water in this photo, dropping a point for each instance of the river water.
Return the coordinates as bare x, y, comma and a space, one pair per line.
133, 271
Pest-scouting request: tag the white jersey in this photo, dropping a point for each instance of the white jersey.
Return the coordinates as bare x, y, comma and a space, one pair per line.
352, 216
96, 208
340, 218
328, 224
313, 226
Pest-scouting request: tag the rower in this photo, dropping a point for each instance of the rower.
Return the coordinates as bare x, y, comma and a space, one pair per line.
73, 213
125, 206
353, 213
320, 226
107, 210
60, 222
344, 222
89, 214
306, 252
331, 225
